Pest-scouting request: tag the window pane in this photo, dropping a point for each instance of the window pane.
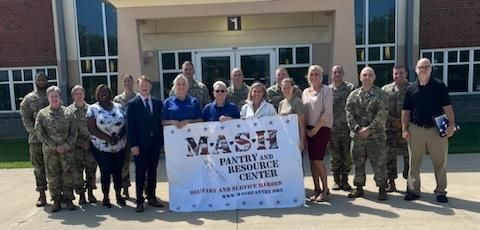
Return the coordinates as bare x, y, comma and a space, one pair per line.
3, 75
374, 54
476, 55
458, 78
21, 90
5, 96
183, 57
476, 77
113, 65
168, 61
383, 73
255, 67
427, 55
86, 66
27, 75
438, 57
389, 53
381, 21
360, 54
52, 74
114, 84
452, 56
168, 83
298, 75
90, 28
360, 22
90, 83
37, 71
101, 66
437, 72
302, 55
50, 83
17, 75
464, 56
285, 56
111, 21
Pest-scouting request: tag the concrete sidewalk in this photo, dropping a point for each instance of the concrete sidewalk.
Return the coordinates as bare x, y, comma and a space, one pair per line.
17, 210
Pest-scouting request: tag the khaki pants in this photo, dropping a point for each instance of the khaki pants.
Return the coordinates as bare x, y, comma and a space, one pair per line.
424, 140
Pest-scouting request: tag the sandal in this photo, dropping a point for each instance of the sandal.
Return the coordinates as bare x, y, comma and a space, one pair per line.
315, 194
323, 196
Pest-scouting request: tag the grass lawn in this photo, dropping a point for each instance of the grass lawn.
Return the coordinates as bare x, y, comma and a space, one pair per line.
14, 153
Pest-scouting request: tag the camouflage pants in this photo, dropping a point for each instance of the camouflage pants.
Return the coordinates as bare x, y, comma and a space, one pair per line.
59, 173
126, 168
375, 151
84, 161
37, 159
339, 148
395, 147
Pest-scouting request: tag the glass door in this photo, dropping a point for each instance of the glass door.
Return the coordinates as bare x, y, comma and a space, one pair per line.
257, 65
212, 66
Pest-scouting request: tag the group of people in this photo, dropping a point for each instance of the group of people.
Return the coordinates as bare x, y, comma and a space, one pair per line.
67, 143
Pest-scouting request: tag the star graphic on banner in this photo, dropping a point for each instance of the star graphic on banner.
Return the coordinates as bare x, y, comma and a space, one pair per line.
188, 130
255, 124
205, 129
261, 202
210, 205
271, 122
227, 204
172, 132
287, 121
244, 203
193, 206
278, 202
178, 208
222, 127
238, 125
295, 201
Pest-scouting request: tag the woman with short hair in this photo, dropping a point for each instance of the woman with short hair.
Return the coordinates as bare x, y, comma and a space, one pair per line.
220, 109
257, 105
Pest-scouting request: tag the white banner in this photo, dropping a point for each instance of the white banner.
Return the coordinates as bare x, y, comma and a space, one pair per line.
238, 164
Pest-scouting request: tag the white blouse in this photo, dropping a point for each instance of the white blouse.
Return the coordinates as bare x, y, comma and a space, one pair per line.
265, 109
109, 122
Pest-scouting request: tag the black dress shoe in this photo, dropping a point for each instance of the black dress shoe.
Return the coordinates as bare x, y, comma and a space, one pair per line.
155, 203
139, 208
106, 203
121, 201
442, 199
411, 196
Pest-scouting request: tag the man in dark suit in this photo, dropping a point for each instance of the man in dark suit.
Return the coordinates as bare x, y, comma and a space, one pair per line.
145, 136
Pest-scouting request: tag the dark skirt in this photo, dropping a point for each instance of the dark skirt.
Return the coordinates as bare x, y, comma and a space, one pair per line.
317, 145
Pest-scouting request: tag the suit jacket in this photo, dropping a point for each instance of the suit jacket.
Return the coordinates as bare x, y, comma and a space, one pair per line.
141, 126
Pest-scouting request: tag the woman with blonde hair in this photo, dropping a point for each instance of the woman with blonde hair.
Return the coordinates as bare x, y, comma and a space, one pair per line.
318, 102
257, 105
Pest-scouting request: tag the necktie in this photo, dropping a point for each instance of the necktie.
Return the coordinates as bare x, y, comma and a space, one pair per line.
147, 106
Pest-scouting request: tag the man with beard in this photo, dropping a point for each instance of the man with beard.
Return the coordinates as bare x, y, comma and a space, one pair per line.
31, 104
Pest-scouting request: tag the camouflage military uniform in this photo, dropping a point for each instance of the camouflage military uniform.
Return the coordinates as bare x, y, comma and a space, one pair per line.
83, 159
197, 89
123, 99
56, 128
275, 94
31, 104
396, 145
368, 109
339, 146
238, 97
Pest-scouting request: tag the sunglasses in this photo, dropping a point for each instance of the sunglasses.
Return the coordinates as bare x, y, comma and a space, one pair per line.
219, 91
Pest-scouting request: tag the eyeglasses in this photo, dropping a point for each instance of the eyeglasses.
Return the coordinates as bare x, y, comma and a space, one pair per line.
219, 91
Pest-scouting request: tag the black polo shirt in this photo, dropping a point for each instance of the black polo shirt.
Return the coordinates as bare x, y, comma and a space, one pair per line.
426, 101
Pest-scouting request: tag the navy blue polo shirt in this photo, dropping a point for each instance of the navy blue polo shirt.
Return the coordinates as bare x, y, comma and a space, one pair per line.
175, 109
426, 101
212, 112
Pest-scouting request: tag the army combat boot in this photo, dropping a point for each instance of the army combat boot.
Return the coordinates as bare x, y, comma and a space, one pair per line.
56, 205
70, 205
391, 185
91, 197
358, 192
337, 184
42, 199
81, 199
382, 194
345, 185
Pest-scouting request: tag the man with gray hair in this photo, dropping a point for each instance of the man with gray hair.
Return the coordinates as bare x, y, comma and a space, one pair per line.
29, 107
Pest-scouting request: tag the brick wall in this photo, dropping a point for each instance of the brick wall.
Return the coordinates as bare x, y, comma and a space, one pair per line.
26, 33
449, 23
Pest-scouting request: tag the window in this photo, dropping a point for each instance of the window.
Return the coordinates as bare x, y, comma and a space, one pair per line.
97, 36
296, 59
15, 83
171, 63
375, 35
458, 68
